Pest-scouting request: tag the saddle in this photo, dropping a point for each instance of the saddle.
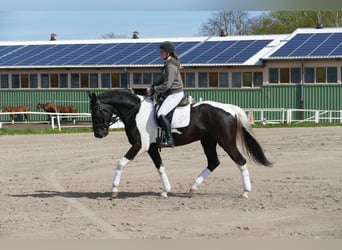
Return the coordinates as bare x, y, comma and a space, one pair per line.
179, 117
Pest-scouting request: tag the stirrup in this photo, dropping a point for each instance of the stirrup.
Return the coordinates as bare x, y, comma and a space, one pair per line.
166, 145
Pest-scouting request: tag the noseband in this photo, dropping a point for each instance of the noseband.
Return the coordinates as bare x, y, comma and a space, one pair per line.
105, 108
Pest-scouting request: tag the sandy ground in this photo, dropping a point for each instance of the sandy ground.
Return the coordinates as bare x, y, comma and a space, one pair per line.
57, 187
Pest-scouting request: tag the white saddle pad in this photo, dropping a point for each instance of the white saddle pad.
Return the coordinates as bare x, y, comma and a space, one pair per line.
181, 117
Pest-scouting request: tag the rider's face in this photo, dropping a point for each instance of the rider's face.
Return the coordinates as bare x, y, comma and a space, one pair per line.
163, 54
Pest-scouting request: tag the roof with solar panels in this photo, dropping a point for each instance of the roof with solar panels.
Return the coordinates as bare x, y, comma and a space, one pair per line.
193, 52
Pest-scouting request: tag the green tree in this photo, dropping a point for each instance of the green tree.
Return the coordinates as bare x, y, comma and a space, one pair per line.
280, 22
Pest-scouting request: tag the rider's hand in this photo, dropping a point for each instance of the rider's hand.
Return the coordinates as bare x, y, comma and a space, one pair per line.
149, 91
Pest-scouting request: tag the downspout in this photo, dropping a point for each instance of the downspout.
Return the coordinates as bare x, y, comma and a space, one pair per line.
302, 90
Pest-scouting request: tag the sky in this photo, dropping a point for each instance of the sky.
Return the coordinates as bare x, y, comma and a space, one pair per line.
35, 20
83, 25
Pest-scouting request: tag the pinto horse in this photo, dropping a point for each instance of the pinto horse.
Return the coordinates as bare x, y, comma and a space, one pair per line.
52, 108
13, 109
212, 123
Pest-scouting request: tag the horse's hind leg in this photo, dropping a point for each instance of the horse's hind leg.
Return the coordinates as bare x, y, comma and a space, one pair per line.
230, 147
209, 147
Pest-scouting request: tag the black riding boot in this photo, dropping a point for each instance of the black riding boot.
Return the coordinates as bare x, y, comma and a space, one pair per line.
166, 126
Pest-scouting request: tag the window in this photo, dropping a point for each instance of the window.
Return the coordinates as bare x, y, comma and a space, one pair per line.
33, 81
124, 80
202, 79
4, 81
223, 80
236, 80
273, 75
24, 81
137, 78
213, 79
320, 75
156, 77
284, 75
309, 75
332, 75
15, 81
84, 80
295, 75
105, 80
115, 77
190, 79
94, 81
44, 78
63, 80
75, 80
54, 80
247, 79
258, 79
147, 78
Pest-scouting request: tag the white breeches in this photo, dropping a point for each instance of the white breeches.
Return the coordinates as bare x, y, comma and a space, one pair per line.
170, 103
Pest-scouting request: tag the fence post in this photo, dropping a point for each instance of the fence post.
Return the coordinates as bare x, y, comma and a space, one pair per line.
52, 122
289, 113
340, 116
316, 116
58, 122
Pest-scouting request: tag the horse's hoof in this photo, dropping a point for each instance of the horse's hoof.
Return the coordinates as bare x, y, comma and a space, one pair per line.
163, 194
244, 195
114, 193
193, 189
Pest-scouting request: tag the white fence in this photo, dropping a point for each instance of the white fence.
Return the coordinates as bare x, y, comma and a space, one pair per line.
294, 115
55, 119
265, 116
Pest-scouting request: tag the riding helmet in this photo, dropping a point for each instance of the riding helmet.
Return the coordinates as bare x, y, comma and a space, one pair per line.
167, 46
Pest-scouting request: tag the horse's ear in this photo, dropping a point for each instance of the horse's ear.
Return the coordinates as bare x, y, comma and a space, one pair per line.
92, 96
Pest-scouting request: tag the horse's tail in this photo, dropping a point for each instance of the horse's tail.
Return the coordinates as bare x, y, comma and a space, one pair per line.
248, 141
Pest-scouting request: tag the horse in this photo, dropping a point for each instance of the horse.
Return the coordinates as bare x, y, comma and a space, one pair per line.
211, 123
52, 108
16, 109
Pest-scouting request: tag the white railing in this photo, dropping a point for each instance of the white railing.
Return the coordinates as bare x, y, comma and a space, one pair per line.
289, 116
55, 119
265, 116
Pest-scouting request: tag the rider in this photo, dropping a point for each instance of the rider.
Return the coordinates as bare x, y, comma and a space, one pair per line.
170, 86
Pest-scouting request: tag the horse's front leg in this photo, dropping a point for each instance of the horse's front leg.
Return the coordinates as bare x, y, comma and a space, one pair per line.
155, 156
132, 152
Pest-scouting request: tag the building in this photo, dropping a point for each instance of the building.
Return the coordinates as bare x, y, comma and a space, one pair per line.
308, 56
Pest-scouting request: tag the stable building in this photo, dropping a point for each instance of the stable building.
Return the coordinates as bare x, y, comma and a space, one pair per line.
307, 56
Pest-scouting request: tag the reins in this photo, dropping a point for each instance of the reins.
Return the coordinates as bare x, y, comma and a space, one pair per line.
116, 114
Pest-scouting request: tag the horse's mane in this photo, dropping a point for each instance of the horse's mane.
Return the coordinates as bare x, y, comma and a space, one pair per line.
120, 97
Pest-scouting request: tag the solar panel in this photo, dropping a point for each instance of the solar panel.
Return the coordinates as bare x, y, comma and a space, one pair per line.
4, 50
248, 51
337, 51
310, 44
328, 46
291, 46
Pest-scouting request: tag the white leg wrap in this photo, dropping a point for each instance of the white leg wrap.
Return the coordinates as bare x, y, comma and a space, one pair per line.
245, 178
198, 181
204, 174
117, 176
164, 179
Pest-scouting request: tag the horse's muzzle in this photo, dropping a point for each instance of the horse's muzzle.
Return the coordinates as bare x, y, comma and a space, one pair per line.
101, 133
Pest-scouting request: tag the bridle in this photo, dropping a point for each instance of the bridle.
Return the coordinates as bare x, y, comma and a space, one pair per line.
116, 115
105, 108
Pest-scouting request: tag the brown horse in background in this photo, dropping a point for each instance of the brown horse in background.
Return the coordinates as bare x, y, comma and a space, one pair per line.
53, 108
16, 109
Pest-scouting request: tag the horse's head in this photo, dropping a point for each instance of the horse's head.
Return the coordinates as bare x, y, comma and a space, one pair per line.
101, 115
5, 108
